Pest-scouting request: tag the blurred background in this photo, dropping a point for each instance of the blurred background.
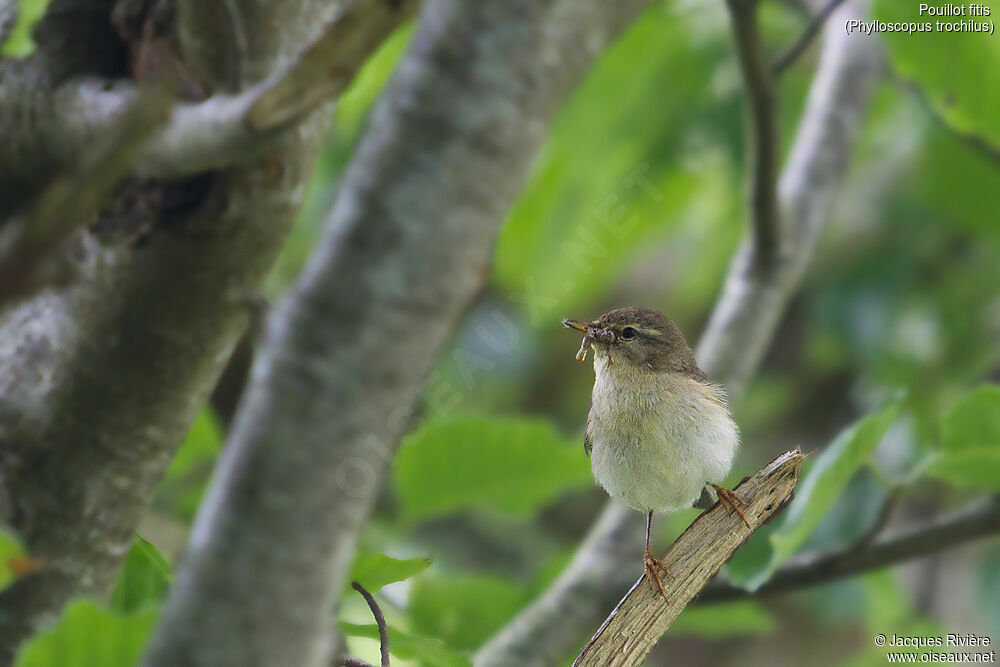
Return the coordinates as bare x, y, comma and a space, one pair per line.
638, 198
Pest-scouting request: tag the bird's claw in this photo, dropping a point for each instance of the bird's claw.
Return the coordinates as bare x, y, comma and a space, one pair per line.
653, 567
731, 502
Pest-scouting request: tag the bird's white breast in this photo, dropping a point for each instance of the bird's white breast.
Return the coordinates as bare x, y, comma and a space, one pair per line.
657, 438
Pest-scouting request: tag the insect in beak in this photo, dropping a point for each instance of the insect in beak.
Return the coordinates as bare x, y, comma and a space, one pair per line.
590, 334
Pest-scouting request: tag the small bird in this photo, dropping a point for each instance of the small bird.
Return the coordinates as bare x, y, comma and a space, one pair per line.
659, 433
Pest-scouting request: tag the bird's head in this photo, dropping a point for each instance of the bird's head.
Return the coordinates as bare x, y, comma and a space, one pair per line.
639, 338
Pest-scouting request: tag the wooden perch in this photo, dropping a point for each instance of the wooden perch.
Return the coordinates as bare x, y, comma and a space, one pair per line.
642, 616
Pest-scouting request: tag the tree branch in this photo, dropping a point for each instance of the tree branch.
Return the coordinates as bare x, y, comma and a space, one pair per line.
404, 249
50, 130
223, 130
738, 332
814, 569
761, 89
637, 623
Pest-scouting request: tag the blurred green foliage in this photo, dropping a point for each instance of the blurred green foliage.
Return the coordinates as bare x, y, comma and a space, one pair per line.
144, 578
410, 647
87, 635
943, 64
733, 619
821, 485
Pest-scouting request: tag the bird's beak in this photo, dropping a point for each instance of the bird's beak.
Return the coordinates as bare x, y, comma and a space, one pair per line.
582, 327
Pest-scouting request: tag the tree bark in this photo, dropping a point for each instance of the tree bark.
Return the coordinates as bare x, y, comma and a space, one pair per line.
101, 376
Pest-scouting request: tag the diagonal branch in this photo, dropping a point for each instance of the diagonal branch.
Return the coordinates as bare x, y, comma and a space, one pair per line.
225, 129
739, 331
814, 569
48, 131
637, 623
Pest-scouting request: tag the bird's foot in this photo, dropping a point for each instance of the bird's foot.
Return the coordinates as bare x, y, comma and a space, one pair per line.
654, 566
731, 502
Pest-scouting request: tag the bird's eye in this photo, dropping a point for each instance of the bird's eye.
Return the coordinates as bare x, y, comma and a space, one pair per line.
628, 333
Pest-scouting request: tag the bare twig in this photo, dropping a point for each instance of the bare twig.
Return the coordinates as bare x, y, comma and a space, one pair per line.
383, 628
761, 89
814, 569
804, 40
639, 620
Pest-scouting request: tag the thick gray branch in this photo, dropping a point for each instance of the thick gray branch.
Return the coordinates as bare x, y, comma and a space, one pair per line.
738, 332
405, 248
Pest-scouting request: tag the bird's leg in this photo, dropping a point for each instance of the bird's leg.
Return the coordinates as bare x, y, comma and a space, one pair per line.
652, 564
731, 502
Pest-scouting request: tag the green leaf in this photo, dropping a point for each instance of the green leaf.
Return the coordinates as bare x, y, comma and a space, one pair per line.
511, 465
958, 72
974, 422
820, 486
373, 571
10, 551
725, 620
973, 468
410, 647
19, 43
187, 477
463, 609
144, 579
359, 98
89, 636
